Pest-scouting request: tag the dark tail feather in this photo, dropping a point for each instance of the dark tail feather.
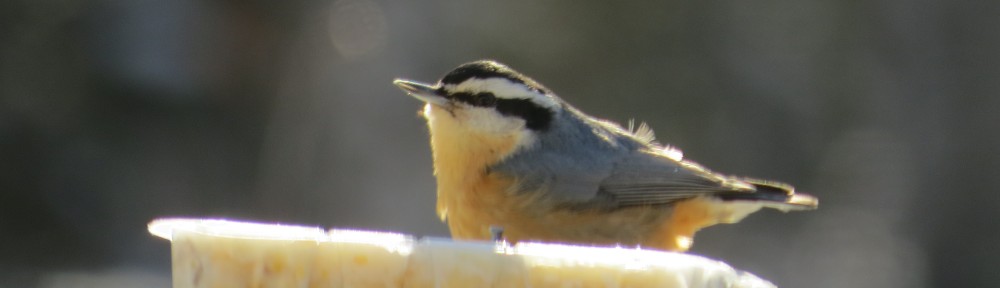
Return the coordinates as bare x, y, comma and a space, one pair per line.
780, 196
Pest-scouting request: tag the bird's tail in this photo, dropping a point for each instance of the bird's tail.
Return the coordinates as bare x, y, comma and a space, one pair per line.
774, 195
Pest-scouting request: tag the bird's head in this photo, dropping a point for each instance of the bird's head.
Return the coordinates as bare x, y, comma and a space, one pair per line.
486, 97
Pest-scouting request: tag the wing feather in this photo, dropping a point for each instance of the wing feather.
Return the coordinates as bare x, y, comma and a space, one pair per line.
649, 177
600, 164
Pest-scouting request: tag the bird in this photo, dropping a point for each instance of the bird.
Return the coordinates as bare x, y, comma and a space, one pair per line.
510, 153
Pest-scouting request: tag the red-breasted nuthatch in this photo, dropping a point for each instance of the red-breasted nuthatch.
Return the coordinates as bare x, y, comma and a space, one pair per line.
509, 153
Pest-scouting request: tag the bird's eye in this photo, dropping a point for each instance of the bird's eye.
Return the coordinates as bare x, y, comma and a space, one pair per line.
485, 99
482, 99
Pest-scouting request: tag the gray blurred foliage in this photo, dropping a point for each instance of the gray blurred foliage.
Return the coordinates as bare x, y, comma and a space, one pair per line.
116, 112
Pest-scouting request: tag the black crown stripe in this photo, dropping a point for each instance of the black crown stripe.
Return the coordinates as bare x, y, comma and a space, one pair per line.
485, 70
481, 70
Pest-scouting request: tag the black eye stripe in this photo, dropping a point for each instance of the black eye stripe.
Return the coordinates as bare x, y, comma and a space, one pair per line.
535, 117
482, 99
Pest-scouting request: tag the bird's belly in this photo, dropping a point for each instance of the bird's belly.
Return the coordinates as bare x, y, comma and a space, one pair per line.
527, 216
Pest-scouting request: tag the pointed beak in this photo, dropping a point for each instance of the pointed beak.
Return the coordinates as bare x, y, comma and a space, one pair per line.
424, 92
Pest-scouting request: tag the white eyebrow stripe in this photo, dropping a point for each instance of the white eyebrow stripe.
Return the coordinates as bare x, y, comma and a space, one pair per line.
503, 89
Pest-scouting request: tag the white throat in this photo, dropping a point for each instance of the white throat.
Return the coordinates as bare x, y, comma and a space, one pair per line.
474, 129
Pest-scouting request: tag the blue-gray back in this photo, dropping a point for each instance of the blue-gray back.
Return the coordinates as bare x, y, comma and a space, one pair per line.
583, 162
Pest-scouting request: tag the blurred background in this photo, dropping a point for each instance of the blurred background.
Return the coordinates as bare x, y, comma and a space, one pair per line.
113, 113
